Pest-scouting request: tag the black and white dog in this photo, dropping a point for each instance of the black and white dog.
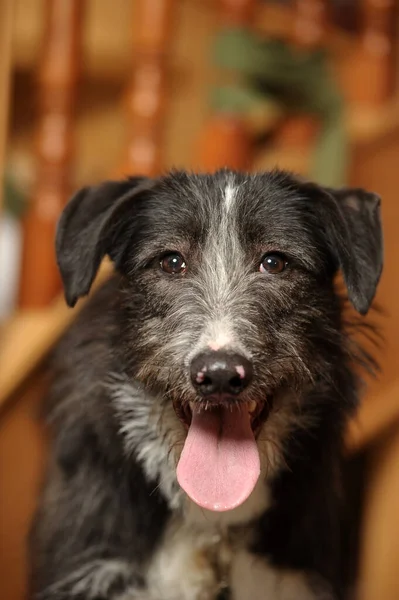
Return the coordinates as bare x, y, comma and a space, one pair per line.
199, 401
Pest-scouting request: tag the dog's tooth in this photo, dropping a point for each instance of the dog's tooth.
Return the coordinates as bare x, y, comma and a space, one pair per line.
252, 406
191, 405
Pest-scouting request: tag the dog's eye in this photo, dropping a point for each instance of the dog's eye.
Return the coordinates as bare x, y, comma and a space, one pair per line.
273, 264
173, 263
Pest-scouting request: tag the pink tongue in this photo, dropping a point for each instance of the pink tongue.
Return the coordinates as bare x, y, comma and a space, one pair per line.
219, 465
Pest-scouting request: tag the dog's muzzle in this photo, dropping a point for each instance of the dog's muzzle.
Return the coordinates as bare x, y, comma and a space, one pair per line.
220, 465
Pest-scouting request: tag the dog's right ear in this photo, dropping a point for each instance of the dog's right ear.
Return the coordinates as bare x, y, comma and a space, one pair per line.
90, 227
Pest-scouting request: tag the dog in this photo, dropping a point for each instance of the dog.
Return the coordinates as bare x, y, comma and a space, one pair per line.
199, 401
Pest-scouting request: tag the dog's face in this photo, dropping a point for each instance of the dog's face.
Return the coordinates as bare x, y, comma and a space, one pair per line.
228, 297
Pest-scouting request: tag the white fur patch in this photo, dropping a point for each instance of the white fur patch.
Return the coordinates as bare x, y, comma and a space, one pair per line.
218, 334
181, 569
229, 196
92, 580
195, 564
153, 433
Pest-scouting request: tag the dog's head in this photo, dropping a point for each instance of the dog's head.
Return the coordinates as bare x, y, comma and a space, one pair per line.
228, 293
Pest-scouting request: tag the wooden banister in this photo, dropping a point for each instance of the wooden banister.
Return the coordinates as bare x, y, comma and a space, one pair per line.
237, 13
57, 80
371, 72
225, 140
146, 94
310, 27
310, 23
378, 46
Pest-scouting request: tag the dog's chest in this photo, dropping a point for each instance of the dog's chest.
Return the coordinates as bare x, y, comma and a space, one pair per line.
210, 565
206, 556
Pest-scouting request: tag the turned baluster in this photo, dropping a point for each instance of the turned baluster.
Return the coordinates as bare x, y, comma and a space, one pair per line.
57, 80
310, 26
371, 79
378, 33
147, 91
310, 23
225, 140
237, 13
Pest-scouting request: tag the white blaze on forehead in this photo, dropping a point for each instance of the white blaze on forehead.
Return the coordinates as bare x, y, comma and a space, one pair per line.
229, 195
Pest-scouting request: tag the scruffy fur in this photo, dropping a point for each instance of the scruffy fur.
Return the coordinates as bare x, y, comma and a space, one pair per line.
113, 523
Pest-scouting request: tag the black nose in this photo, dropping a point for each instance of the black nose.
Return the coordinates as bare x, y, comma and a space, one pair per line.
215, 373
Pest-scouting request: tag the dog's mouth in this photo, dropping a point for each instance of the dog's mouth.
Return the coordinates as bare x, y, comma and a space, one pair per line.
258, 410
220, 465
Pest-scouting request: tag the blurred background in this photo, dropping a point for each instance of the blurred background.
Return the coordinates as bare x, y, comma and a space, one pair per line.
91, 89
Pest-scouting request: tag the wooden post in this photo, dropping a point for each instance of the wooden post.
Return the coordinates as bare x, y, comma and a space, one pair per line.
146, 95
237, 13
226, 140
371, 72
310, 23
57, 82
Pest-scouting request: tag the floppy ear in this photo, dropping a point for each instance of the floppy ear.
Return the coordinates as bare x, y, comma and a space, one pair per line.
90, 227
352, 226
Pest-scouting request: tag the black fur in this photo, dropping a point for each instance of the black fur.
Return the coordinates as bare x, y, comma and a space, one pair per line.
100, 502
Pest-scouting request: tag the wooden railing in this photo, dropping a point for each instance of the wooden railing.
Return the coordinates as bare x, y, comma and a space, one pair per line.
56, 95
57, 85
310, 23
147, 92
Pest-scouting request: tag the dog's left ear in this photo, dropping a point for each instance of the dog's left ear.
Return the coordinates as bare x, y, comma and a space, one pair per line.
352, 226
96, 222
